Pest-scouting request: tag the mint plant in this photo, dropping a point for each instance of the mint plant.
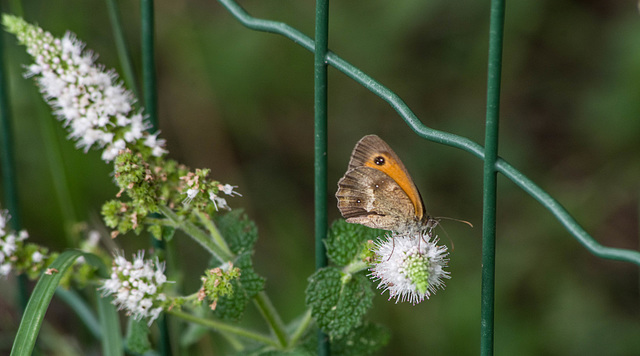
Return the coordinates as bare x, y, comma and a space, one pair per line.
160, 195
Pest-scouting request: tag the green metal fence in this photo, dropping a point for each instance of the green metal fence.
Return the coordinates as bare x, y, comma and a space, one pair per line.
323, 58
489, 153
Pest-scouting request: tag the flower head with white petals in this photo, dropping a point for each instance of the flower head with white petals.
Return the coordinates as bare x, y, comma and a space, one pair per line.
92, 103
410, 266
137, 286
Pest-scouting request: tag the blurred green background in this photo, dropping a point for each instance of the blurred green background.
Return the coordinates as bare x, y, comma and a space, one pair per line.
241, 103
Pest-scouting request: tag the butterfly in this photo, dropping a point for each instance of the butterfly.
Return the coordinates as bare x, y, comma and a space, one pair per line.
377, 190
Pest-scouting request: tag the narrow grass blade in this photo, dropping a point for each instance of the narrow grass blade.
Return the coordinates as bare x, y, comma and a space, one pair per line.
41, 297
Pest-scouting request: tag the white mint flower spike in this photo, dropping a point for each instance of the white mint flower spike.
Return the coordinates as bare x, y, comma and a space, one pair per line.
137, 286
410, 266
92, 103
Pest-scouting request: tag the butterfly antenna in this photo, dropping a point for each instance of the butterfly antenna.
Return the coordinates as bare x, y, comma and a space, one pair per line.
435, 221
393, 247
453, 219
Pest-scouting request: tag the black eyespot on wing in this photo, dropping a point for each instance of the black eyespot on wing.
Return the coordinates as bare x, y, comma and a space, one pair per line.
379, 160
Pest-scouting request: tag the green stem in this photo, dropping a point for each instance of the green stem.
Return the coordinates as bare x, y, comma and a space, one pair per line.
159, 221
270, 314
219, 326
355, 267
302, 327
200, 236
234, 342
222, 253
121, 47
213, 231
56, 160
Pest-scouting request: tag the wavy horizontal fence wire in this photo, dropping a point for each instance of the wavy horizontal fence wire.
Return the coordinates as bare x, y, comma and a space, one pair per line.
492, 163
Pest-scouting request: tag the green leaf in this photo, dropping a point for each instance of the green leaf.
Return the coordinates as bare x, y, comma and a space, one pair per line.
82, 310
338, 304
111, 334
251, 282
246, 287
239, 232
138, 336
232, 307
363, 340
168, 232
41, 297
346, 241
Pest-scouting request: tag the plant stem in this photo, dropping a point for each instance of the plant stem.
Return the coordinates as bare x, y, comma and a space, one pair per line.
355, 267
200, 236
213, 231
220, 250
270, 314
219, 326
302, 327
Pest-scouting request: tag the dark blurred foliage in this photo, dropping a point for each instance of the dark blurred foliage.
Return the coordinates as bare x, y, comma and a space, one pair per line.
241, 103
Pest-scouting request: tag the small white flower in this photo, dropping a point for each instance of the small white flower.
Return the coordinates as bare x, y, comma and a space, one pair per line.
191, 193
156, 145
137, 286
4, 217
218, 202
410, 266
37, 257
9, 244
5, 269
93, 238
228, 189
23, 235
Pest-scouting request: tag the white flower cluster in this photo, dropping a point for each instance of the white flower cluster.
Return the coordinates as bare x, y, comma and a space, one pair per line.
410, 266
94, 106
195, 186
220, 202
9, 244
137, 286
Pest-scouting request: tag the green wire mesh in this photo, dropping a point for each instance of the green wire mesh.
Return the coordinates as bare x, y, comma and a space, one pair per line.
492, 163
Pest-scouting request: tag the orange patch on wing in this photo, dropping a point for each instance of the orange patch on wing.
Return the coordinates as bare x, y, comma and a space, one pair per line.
393, 170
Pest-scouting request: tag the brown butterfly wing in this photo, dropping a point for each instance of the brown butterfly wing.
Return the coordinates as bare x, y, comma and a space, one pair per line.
368, 149
370, 197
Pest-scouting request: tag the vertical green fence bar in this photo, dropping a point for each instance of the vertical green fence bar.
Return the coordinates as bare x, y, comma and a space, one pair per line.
9, 167
149, 63
151, 108
320, 143
490, 176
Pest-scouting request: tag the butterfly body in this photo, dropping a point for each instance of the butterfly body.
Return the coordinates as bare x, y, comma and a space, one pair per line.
377, 190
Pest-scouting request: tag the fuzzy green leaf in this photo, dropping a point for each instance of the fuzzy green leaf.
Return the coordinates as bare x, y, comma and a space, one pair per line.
363, 340
251, 282
239, 232
346, 241
138, 336
168, 232
338, 304
232, 307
